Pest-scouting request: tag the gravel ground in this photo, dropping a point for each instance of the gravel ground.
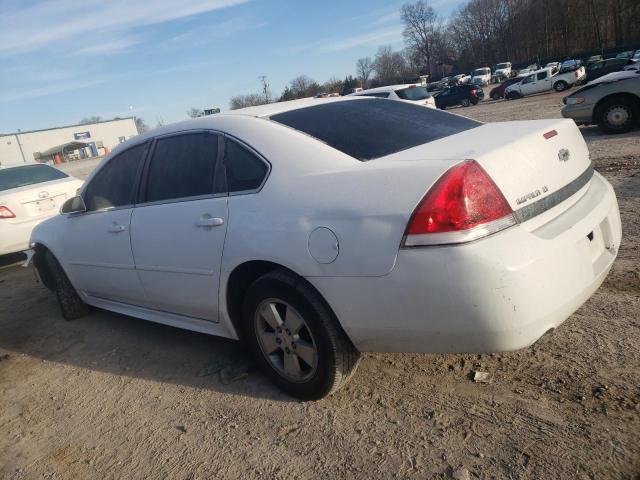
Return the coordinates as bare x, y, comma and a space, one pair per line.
110, 396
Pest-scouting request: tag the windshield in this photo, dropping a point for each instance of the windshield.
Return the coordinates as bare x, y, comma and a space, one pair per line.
481, 71
17, 177
413, 93
502, 65
372, 128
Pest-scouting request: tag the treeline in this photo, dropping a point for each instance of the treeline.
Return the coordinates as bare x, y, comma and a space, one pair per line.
482, 33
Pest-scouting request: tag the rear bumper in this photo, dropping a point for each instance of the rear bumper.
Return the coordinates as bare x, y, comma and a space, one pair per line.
500, 293
14, 237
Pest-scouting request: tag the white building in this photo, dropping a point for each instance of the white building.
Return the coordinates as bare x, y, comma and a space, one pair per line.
66, 143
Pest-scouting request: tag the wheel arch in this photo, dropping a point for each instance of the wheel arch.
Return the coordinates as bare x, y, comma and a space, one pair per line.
633, 99
41, 266
241, 278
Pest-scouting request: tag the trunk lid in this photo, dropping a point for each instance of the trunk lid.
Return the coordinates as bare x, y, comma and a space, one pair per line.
39, 200
528, 160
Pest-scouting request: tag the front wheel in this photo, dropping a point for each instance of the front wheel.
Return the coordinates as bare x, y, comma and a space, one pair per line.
495, 97
616, 115
295, 338
71, 304
560, 86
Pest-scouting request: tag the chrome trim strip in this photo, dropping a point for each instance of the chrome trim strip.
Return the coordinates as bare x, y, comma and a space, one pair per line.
540, 206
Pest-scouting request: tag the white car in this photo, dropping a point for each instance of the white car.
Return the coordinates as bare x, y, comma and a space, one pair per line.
321, 228
502, 72
544, 80
410, 92
462, 79
29, 194
481, 76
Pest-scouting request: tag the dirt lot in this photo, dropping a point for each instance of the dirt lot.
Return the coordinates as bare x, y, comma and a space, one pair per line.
113, 397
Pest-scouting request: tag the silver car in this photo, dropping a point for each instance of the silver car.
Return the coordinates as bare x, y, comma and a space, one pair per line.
612, 102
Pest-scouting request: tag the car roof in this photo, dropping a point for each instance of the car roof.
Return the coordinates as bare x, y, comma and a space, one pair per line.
386, 88
14, 165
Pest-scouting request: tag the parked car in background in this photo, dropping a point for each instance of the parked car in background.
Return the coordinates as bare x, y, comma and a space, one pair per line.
497, 92
481, 76
612, 102
502, 70
529, 69
29, 194
570, 65
553, 65
317, 229
544, 80
636, 55
627, 54
465, 95
462, 79
412, 93
632, 65
603, 67
593, 58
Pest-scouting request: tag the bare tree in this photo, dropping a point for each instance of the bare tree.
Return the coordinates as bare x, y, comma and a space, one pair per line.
248, 100
141, 125
389, 66
194, 112
422, 27
364, 69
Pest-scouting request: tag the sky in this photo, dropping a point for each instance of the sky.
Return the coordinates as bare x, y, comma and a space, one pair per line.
62, 60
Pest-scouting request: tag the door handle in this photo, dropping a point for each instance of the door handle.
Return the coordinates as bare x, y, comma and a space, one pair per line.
116, 228
207, 221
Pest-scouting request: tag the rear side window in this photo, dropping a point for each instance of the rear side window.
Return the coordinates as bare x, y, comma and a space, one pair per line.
542, 75
372, 128
114, 185
182, 166
245, 171
23, 176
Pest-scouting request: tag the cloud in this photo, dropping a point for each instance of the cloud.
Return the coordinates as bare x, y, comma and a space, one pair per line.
51, 22
388, 18
108, 48
386, 36
55, 87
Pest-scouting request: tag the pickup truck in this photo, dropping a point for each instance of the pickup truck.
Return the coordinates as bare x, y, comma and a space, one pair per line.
501, 72
543, 80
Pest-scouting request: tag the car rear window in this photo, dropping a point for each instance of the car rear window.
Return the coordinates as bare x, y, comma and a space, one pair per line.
372, 128
413, 93
17, 177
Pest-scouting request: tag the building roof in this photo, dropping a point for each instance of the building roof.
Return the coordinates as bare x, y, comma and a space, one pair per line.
63, 146
81, 125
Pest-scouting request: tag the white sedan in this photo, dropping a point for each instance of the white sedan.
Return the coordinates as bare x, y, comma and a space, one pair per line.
410, 92
29, 194
321, 228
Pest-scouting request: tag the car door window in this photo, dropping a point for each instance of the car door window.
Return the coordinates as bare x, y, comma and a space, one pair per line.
529, 79
542, 75
182, 166
245, 171
114, 185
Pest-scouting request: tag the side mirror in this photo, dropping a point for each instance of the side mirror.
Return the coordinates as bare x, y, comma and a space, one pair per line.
73, 205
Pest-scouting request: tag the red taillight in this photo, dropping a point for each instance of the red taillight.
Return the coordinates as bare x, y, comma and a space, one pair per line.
6, 213
464, 204
474, 93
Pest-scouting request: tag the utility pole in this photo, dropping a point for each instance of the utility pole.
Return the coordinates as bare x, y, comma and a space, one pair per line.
265, 88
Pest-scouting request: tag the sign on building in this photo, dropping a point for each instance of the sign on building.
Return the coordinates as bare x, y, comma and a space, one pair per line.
81, 135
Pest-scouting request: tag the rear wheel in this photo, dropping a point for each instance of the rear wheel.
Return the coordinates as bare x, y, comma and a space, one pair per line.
71, 304
495, 97
560, 86
295, 338
465, 102
616, 115
512, 96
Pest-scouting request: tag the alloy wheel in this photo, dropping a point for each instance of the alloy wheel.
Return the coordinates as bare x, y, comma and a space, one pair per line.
286, 340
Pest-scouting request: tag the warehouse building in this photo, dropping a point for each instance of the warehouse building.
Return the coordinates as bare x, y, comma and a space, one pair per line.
62, 144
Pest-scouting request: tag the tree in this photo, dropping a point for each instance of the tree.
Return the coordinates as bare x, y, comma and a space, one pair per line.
389, 66
194, 112
422, 27
92, 119
248, 100
364, 69
348, 85
141, 125
302, 87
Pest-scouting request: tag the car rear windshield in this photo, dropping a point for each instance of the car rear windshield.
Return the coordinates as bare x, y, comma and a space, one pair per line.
372, 128
413, 93
17, 177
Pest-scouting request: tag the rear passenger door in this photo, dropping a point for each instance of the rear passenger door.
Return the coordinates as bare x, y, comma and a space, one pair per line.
178, 227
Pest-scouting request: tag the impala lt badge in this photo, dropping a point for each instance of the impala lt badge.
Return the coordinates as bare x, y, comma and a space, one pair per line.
563, 155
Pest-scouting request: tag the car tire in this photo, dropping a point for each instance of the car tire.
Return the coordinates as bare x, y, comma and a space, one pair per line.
495, 97
284, 316
560, 86
71, 304
512, 96
465, 102
616, 115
